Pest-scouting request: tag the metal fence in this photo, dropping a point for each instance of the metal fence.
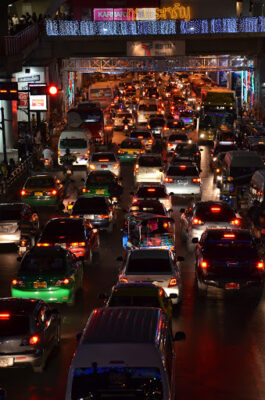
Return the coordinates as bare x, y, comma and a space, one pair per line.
14, 45
8, 185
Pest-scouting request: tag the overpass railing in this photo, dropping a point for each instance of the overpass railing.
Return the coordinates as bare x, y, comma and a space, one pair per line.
212, 26
14, 45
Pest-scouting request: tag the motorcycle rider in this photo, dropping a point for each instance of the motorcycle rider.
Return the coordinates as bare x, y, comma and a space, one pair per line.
47, 154
68, 159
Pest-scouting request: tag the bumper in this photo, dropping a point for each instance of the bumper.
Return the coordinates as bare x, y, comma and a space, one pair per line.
242, 284
16, 360
182, 190
51, 295
127, 157
173, 290
10, 237
40, 201
147, 178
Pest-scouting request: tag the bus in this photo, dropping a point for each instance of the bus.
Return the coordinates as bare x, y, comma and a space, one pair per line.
218, 100
102, 92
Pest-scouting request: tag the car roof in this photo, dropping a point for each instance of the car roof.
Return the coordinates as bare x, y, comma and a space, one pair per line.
46, 251
18, 305
136, 289
147, 253
123, 325
99, 172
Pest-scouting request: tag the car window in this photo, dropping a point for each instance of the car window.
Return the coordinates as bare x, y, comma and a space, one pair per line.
99, 179
182, 170
150, 192
10, 213
14, 325
141, 135
42, 264
63, 231
134, 301
214, 213
36, 182
143, 266
131, 144
96, 205
150, 161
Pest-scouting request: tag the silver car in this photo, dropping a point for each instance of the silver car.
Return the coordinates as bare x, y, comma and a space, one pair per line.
183, 180
104, 161
174, 139
145, 136
149, 168
155, 191
154, 266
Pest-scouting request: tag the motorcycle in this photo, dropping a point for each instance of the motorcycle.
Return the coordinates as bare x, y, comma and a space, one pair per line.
47, 163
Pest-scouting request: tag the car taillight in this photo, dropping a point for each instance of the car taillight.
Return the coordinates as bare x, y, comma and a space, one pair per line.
120, 151
17, 282
92, 166
136, 170
63, 282
35, 339
150, 141
168, 180
260, 265
24, 192
173, 282
43, 244
58, 152
204, 265
103, 216
116, 166
197, 180
124, 280
5, 315
52, 193
84, 190
77, 244
197, 221
235, 221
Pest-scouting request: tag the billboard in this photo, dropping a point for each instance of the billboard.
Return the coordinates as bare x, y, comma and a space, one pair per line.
38, 102
156, 48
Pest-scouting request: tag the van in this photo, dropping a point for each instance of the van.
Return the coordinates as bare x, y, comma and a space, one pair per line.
241, 165
124, 352
145, 109
257, 187
77, 141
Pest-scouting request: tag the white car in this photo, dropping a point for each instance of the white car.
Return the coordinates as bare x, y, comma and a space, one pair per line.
183, 180
153, 191
146, 109
174, 139
104, 161
145, 136
156, 266
120, 118
149, 168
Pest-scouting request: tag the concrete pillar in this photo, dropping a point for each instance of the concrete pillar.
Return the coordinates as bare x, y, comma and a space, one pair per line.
4, 19
260, 86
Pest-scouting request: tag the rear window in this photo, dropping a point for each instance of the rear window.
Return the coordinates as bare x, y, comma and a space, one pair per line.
144, 266
103, 157
156, 122
150, 161
237, 172
215, 212
99, 179
131, 144
182, 170
40, 182
182, 137
141, 135
148, 107
43, 264
73, 143
175, 124
63, 231
10, 213
96, 205
151, 192
224, 148
134, 301
14, 325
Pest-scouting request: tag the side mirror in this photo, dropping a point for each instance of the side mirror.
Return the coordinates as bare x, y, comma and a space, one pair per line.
195, 240
19, 259
180, 258
182, 210
78, 336
179, 336
119, 259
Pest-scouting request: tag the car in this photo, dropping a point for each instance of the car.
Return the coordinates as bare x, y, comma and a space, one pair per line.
156, 124
96, 209
148, 206
104, 161
120, 118
183, 180
217, 164
155, 191
155, 266
18, 222
174, 139
130, 149
145, 136
52, 274
228, 259
140, 295
188, 118
187, 151
206, 132
146, 108
29, 332
73, 234
103, 183
205, 214
42, 190
220, 148
149, 168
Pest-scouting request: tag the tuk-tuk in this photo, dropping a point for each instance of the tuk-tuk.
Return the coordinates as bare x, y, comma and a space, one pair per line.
144, 230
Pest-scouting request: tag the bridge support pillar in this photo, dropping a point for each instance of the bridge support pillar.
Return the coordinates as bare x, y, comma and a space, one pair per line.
260, 87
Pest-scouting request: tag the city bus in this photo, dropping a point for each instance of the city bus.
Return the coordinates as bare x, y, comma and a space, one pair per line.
102, 92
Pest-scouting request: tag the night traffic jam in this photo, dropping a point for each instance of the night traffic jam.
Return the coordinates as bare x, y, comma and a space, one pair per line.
150, 209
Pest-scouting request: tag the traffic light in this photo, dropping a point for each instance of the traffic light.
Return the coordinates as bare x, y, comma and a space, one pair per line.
8, 91
53, 90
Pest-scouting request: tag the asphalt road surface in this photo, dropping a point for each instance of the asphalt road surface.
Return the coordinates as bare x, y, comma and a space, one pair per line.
223, 355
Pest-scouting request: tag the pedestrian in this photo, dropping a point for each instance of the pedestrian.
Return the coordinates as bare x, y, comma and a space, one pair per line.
15, 20
21, 147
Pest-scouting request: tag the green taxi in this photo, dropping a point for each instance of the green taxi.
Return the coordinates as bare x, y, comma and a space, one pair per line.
42, 190
103, 183
140, 295
130, 149
50, 273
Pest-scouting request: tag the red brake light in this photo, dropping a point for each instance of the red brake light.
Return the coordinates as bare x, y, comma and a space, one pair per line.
235, 222
182, 166
103, 216
34, 339
260, 265
124, 280
204, 265
196, 180
23, 193
14, 282
229, 236
151, 190
104, 159
173, 282
66, 281
216, 209
84, 190
76, 244
4, 316
54, 192
43, 244
197, 221
168, 180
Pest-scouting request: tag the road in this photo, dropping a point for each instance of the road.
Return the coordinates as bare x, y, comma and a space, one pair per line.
223, 355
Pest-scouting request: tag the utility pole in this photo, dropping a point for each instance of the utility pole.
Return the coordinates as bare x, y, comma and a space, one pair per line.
4, 134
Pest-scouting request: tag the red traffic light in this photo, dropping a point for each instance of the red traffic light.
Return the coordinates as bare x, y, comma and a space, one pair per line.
53, 90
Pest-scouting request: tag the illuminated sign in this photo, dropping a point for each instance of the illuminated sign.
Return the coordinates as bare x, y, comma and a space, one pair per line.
23, 98
156, 48
177, 11
38, 103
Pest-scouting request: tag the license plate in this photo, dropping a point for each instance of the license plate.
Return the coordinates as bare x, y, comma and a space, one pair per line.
38, 193
40, 285
232, 286
89, 216
6, 362
104, 166
100, 191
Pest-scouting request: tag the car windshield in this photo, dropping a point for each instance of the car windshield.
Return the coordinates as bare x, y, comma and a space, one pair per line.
231, 251
150, 161
149, 208
148, 263
40, 182
42, 264
131, 144
237, 172
73, 143
152, 192
10, 213
148, 107
141, 135
215, 212
63, 231
156, 122
105, 382
14, 325
93, 205
134, 301
99, 179
173, 138
105, 157
182, 170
